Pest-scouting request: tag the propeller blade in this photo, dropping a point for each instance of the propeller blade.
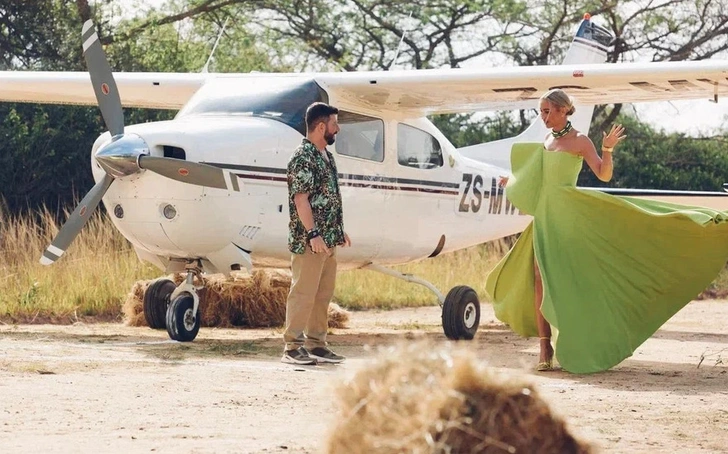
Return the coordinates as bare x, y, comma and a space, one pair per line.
191, 172
76, 221
102, 80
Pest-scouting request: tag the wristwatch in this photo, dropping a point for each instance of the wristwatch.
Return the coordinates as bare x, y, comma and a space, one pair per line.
313, 233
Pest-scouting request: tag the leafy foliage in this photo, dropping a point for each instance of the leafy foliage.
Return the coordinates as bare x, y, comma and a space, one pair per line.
655, 160
44, 150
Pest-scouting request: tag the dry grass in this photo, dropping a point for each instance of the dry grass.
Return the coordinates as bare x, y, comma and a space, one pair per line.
364, 289
427, 398
89, 281
92, 280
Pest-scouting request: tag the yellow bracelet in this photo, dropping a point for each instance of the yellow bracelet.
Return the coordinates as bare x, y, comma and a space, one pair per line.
608, 149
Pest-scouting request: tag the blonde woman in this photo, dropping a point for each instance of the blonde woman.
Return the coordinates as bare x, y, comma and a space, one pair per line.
605, 271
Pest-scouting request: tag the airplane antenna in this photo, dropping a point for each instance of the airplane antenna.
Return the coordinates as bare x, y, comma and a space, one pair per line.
222, 30
396, 52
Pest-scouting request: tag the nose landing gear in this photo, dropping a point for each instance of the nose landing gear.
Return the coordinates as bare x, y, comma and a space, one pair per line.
177, 309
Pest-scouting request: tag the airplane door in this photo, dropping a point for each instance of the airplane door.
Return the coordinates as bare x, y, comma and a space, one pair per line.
419, 206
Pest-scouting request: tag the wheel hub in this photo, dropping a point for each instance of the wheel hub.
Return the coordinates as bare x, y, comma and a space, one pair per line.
189, 320
469, 315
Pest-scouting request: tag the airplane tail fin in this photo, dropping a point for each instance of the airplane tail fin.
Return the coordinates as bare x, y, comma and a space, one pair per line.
590, 45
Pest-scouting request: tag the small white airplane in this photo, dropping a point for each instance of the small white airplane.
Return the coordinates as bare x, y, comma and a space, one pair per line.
206, 192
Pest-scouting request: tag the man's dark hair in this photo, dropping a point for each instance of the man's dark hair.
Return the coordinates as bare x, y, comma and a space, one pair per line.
318, 112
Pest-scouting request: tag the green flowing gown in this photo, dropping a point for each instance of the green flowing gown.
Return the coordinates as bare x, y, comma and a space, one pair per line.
614, 269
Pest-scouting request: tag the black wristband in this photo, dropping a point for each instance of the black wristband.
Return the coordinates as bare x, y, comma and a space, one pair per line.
311, 234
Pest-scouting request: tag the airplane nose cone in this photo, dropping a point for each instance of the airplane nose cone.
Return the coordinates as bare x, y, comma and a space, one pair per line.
120, 157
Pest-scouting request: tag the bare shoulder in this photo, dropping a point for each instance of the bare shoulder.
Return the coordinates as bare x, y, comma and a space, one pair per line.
583, 143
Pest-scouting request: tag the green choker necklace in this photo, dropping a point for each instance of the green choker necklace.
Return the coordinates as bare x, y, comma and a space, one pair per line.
562, 132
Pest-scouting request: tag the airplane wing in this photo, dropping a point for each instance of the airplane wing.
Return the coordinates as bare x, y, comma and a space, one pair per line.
411, 92
710, 199
425, 92
151, 90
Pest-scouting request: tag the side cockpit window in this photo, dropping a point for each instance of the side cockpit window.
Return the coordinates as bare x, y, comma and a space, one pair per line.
417, 148
360, 136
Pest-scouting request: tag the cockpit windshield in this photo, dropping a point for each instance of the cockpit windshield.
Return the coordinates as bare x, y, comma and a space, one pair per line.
278, 98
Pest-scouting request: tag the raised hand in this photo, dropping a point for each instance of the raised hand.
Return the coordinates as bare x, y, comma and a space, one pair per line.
615, 136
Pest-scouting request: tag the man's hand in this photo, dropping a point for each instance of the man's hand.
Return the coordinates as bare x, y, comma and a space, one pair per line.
347, 240
318, 245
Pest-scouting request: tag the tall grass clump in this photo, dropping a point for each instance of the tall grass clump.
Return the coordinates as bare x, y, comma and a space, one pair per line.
92, 278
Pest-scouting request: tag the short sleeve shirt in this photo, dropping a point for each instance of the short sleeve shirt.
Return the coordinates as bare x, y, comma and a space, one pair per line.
308, 172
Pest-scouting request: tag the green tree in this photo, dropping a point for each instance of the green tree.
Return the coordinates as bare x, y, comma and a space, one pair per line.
52, 143
45, 150
649, 159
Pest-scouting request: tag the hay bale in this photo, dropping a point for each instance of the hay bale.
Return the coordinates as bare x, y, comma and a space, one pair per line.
133, 307
252, 301
426, 398
338, 317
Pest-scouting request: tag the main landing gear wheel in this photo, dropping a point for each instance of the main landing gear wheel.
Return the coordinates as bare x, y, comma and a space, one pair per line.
156, 300
460, 308
182, 321
461, 313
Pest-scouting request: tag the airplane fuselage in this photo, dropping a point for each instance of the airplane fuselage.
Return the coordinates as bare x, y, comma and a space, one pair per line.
391, 171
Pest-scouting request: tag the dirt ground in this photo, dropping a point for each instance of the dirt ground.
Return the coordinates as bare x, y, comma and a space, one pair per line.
112, 388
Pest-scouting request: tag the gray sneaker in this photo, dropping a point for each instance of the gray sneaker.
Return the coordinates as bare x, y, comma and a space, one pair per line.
297, 356
325, 355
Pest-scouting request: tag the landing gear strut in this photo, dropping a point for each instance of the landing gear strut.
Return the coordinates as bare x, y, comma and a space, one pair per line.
460, 308
183, 318
175, 307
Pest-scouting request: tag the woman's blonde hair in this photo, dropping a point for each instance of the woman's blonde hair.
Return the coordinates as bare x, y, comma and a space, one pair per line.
559, 98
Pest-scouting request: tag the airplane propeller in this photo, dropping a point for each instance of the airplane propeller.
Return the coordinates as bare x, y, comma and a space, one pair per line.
125, 154
76, 221
107, 94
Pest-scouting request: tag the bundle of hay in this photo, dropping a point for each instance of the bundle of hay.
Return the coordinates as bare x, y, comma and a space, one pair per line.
423, 398
252, 301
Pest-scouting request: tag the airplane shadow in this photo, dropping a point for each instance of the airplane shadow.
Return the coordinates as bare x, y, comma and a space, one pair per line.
495, 345
691, 336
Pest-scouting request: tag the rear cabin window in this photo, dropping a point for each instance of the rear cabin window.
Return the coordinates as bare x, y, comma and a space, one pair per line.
417, 148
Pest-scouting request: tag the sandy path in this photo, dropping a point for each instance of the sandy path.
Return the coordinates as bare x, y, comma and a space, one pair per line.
111, 388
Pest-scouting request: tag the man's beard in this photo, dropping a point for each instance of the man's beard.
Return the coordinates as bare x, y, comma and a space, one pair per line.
330, 138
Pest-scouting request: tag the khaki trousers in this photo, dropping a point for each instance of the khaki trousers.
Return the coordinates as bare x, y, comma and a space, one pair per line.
307, 308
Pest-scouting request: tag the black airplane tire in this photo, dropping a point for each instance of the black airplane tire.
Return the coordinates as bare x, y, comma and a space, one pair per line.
461, 313
156, 300
182, 324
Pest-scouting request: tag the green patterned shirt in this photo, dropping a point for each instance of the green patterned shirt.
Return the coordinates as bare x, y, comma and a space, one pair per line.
308, 172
